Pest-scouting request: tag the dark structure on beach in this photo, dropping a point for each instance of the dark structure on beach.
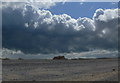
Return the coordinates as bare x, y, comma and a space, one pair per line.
59, 58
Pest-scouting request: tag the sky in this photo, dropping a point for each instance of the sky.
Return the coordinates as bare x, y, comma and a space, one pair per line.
45, 28
81, 9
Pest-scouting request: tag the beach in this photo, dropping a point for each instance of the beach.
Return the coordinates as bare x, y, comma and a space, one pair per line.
60, 70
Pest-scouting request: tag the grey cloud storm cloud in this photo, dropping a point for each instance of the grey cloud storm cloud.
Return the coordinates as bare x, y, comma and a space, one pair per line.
33, 30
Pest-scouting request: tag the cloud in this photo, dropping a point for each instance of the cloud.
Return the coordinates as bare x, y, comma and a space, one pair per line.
12, 54
33, 30
81, 3
42, 4
106, 22
113, 1
106, 15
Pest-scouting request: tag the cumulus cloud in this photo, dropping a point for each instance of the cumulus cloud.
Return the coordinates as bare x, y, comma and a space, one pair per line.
42, 4
106, 15
107, 22
33, 30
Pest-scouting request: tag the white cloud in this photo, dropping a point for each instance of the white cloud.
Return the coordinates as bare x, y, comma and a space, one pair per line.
41, 31
45, 4
81, 3
106, 22
106, 15
87, 22
113, 1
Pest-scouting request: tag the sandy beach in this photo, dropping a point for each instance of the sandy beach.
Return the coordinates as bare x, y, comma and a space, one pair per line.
60, 70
